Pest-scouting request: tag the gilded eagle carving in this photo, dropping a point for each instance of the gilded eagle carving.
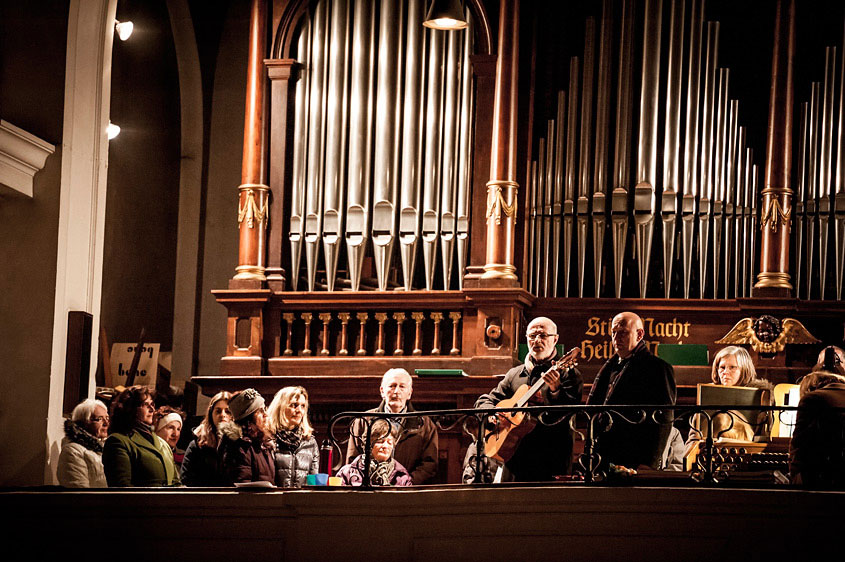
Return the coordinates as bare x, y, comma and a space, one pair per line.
767, 334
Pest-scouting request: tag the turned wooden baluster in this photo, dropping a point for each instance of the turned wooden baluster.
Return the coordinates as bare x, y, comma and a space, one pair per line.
382, 318
418, 318
344, 321
362, 332
325, 318
455, 316
437, 317
400, 318
288, 317
306, 346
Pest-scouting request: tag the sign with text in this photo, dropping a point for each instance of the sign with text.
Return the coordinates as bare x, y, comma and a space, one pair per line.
596, 345
121, 361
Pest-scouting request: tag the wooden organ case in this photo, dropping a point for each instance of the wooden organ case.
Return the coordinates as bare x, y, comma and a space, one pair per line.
412, 197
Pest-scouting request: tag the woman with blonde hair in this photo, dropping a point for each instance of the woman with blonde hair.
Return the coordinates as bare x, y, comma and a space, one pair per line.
201, 464
733, 366
297, 453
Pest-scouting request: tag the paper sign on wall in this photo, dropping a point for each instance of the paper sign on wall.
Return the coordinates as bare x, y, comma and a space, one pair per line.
121, 361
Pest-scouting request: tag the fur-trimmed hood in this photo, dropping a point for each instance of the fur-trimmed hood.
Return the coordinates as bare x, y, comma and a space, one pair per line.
76, 434
232, 431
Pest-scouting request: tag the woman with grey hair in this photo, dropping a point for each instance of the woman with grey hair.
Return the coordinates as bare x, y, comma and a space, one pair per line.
384, 469
81, 460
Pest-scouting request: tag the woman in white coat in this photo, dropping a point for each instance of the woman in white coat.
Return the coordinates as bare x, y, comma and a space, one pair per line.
81, 460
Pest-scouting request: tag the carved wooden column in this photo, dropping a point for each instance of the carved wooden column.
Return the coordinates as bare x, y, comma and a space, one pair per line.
776, 206
254, 194
502, 187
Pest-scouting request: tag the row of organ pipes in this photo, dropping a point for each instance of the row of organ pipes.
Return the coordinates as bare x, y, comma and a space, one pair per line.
710, 184
382, 145
820, 169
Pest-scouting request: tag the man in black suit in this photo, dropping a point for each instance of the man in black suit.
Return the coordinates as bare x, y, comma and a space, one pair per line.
633, 376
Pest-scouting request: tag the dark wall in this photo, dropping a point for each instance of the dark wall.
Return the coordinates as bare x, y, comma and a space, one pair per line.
225, 70
32, 74
143, 195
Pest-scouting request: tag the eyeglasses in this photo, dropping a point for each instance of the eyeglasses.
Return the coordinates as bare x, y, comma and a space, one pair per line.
538, 336
104, 419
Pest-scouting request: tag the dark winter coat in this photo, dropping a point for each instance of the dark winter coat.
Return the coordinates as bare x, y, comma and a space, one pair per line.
546, 451
642, 379
201, 467
244, 459
292, 467
817, 450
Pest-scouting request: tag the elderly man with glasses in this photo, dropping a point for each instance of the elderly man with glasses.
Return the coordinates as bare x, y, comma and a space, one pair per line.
546, 451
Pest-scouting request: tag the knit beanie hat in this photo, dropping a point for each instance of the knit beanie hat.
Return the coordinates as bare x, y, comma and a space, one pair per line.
245, 403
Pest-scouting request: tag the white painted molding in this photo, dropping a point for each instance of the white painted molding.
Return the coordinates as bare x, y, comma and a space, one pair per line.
82, 199
22, 155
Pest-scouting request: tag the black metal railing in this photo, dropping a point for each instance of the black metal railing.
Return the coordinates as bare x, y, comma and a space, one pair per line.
707, 428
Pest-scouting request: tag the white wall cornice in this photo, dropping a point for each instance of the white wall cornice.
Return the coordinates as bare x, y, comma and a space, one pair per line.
22, 155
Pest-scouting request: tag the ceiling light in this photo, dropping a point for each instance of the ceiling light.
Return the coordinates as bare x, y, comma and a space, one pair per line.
112, 130
445, 14
123, 29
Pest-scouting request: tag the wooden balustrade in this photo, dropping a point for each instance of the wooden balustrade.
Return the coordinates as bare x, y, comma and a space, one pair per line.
325, 334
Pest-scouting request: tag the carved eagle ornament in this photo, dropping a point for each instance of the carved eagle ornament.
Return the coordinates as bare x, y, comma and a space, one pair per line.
767, 334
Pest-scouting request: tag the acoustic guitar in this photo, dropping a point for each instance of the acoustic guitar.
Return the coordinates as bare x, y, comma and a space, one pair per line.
502, 440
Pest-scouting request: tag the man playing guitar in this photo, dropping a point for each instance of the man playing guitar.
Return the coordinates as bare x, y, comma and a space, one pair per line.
546, 451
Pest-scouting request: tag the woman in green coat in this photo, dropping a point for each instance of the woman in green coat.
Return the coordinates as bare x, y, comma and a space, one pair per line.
133, 455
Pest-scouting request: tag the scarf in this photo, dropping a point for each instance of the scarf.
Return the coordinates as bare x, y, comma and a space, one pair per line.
145, 430
76, 434
288, 439
380, 472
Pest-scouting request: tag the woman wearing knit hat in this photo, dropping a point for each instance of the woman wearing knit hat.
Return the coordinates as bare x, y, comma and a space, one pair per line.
297, 453
246, 446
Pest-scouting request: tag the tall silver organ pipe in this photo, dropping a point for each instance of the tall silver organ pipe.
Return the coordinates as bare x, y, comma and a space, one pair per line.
300, 142
705, 205
825, 170
722, 104
465, 152
801, 196
601, 181
433, 152
548, 199
448, 175
621, 154
557, 200
384, 172
690, 188
336, 132
361, 107
812, 184
644, 196
539, 221
672, 140
583, 201
316, 142
412, 129
570, 189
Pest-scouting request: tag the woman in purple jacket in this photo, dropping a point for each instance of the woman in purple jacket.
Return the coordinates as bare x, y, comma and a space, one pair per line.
384, 469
